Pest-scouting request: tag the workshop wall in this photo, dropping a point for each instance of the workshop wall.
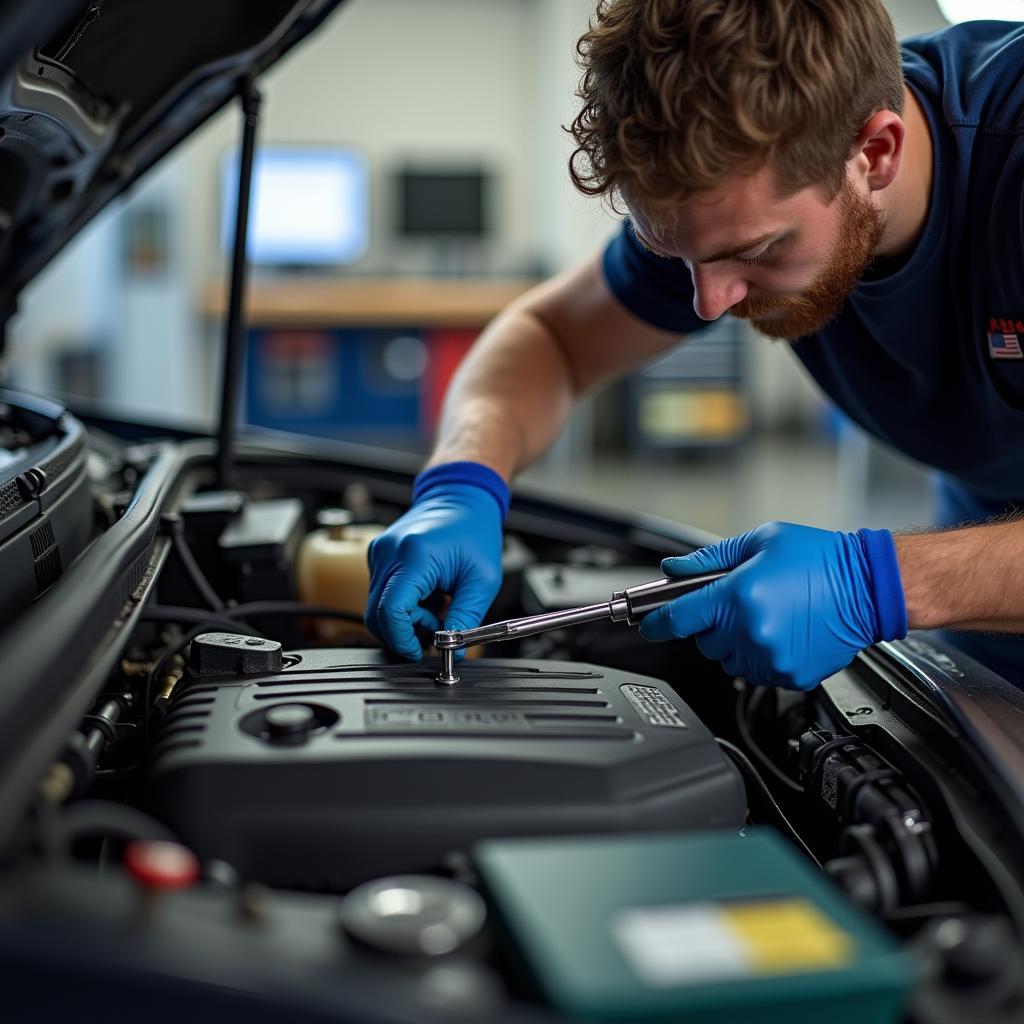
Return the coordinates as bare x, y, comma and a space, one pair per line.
400, 79
915, 16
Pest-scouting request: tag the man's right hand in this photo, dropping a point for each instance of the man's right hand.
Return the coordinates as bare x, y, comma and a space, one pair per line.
449, 541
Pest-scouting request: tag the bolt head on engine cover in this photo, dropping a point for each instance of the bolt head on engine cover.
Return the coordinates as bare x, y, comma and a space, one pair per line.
233, 654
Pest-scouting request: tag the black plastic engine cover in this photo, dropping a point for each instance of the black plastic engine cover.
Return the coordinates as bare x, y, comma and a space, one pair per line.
342, 767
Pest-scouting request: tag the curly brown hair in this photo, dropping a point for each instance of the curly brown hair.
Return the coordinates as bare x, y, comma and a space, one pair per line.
678, 95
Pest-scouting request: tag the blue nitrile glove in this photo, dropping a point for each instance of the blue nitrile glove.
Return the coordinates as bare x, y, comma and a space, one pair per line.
797, 606
450, 540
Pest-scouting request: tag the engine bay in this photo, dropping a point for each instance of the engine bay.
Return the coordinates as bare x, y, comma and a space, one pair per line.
221, 799
236, 757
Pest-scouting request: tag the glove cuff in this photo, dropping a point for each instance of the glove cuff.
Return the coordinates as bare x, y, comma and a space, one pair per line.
474, 473
886, 585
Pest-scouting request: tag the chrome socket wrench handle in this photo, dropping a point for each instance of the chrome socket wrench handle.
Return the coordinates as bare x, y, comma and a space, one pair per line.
633, 604
629, 606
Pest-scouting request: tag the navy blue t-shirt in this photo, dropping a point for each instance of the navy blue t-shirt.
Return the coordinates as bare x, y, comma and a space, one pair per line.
930, 358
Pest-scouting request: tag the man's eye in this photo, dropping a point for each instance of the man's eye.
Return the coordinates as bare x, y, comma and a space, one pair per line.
762, 257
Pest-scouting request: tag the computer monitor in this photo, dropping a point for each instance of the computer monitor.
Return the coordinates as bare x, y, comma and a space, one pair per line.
310, 206
443, 203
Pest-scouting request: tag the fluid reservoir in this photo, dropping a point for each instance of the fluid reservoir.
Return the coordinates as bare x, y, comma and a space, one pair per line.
331, 570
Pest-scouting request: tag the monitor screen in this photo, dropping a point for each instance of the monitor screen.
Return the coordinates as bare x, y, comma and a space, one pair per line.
443, 203
309, 207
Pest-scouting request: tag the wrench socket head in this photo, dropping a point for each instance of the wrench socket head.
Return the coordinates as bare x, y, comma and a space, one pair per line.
447, 676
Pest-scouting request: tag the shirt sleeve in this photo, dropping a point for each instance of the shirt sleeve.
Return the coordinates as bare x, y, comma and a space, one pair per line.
654, 288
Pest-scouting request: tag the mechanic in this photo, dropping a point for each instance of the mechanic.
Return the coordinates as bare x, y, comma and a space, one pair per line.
783, 161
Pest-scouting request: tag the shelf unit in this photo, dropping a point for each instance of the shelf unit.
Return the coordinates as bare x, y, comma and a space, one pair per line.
693, 398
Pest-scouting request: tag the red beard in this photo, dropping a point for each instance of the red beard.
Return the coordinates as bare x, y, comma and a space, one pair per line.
796, 316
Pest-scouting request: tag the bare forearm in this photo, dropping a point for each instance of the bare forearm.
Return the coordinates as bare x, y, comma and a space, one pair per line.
972, 578
509, 399
563, 338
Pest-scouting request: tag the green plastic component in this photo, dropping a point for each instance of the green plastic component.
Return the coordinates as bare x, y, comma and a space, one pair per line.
690, 927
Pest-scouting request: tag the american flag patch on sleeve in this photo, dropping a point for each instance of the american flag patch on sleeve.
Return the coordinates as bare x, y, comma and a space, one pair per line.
1004, 345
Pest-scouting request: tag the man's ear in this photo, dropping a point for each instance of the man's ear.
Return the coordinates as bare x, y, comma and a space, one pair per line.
878, 151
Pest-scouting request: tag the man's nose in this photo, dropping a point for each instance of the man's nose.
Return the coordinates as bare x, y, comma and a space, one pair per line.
715, 290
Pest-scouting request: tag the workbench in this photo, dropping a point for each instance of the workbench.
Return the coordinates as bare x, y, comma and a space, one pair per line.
362, 358
364, 302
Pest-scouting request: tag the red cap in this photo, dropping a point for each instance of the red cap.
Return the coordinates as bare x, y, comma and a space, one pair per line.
158, 864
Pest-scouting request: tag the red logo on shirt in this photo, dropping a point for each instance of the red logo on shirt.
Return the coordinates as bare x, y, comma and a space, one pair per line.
1004, 338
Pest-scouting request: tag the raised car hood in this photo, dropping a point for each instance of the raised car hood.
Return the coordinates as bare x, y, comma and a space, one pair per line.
94, 92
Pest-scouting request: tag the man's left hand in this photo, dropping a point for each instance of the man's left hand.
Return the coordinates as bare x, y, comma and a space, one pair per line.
796, 607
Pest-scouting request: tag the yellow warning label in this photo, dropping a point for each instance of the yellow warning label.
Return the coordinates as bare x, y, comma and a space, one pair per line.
786, 936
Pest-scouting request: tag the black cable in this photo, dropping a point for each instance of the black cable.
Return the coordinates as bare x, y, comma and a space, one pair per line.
745, 709
292, 609
176, 530
230, 616
106, 818
747, 767
193, 616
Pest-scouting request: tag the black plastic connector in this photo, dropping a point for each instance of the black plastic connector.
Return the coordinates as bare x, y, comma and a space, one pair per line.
887, 855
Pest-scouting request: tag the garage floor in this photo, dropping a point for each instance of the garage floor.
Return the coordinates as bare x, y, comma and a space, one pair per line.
798, 479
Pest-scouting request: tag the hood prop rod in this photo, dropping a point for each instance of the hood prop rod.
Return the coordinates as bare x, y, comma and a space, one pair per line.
234, 336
